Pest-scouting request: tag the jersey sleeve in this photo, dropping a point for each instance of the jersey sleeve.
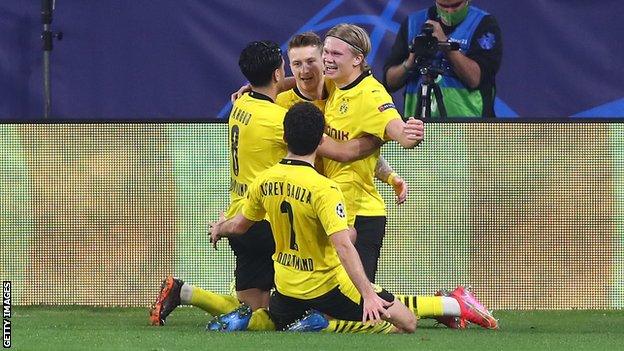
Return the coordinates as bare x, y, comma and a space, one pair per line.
380, 110
252, 204
330, 208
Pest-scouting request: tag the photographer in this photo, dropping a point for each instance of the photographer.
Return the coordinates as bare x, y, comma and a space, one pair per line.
467, 75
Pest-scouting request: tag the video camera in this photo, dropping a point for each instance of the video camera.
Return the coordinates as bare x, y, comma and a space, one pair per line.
426, 46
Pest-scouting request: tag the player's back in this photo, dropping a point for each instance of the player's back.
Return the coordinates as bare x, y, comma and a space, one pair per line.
302, 207
255, 140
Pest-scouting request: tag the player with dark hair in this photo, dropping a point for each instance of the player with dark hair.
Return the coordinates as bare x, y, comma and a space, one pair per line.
256, 142
301, 117
316, 264
358, 106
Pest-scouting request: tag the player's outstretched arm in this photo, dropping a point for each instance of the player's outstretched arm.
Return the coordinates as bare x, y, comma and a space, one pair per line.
408, 134
374, 306
286, 84
385, 173
222, 228
349, 151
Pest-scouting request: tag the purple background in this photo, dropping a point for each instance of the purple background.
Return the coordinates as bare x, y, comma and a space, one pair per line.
157, 59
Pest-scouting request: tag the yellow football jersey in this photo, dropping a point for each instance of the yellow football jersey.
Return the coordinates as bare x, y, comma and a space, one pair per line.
363, 107
304, 209
293, 96
256, 133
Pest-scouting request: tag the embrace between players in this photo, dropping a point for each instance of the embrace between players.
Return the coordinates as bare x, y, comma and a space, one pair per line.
303, 195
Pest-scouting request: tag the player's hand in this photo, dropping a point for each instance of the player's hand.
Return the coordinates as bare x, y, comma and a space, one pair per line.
245, 88
400, 188
215, 230
374, 309
414, 129
437, 30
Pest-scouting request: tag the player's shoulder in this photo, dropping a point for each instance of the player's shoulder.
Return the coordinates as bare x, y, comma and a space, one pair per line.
268, 174
284, 95
276, 107
271, 112
377, 97
324, 185
371, 87
242, 100
286, 99
260, 102
330, 86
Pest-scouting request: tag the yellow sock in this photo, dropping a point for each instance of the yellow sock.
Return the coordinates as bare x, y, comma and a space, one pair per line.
212, 303
339, 326
260, 320
423, 306
409, 301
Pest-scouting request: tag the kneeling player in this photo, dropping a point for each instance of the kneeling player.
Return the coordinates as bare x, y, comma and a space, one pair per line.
316, 265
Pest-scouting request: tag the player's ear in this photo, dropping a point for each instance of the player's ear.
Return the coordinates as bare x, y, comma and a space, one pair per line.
277, 75
357, 60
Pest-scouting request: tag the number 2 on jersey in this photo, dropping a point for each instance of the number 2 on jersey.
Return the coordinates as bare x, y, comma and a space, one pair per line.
285, 207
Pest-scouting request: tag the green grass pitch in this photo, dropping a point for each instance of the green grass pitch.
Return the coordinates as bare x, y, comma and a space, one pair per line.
89, 328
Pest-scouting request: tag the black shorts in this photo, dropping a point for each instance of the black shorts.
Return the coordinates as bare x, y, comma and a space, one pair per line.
370, 233
253, 251
284, 310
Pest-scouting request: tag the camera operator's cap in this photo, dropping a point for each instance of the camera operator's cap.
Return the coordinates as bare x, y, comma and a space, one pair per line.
351, 44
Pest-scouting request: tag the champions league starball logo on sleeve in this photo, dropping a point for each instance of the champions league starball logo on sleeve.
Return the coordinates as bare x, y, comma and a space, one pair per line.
340, 211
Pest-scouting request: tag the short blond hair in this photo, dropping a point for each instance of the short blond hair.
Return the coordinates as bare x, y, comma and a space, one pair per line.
305, 39
356, 37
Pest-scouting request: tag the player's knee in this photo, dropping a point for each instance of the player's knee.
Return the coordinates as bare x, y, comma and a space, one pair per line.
410, 324
406, 324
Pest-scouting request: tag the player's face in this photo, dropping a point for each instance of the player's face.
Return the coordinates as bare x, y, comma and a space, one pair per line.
340, 62
306, 65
